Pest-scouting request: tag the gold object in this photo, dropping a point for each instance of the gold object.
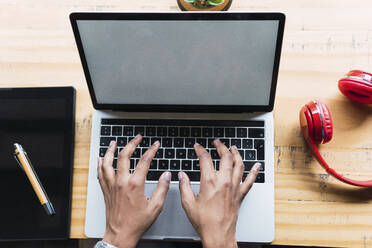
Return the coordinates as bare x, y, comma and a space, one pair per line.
204, 5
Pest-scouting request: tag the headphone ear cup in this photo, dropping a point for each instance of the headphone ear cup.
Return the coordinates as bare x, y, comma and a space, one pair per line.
327, 121
318, 135
357, 85
306, 122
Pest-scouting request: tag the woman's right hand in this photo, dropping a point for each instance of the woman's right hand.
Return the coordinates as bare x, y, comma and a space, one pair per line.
214, 211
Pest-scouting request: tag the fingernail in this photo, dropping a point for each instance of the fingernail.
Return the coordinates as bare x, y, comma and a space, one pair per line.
156, 142
167, 176
112, 142
180, 175
196, 143
137, 136
218, 140
234, 147
257, 166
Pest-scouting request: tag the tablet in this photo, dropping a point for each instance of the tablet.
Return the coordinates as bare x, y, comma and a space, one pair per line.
42, 121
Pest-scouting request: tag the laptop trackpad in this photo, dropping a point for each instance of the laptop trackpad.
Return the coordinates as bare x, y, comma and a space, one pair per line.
172, 223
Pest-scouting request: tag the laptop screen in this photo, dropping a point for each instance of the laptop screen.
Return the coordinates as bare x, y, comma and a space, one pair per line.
178, 62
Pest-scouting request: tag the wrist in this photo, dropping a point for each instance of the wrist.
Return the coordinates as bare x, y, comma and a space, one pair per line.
120, 240
219, 242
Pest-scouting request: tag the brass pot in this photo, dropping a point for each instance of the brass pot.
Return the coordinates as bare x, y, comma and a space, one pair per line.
204, 5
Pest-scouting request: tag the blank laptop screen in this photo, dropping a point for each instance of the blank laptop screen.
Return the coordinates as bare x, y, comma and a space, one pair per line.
189, 62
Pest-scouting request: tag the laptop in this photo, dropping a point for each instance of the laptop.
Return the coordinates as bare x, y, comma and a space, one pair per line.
182, 78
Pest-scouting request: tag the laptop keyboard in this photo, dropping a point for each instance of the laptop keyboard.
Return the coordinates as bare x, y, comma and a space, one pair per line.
177, 138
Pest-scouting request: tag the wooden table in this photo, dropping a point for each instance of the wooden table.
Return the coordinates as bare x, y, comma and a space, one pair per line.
322, 41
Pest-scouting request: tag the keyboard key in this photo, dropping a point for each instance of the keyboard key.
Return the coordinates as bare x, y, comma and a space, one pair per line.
217, 165
196, 165
259, 179
167, 142
250, 155
191, 154
202, 142
194, 176
214, 154
207, 132
189, 142
248, 165
116, 153
169, 153
184, 132
162, 131
195, 132
145, 142
130, 138
241, 153
143, 150
159, 153
178, 142
128, 131
117, 130
137, 161
105, 141
259, 145
180, 153
153, 139
122, 141
154, 164
186, 164
132, 161
174, 165
256, 133
173, 131
139, 130
105, 130
163, 165
153, 175
136, 153
219, 132
102, 152
150, 131
230, 132
247, 143
115, 164
241, 132
237, 143
226, 142
210, 143
174, 176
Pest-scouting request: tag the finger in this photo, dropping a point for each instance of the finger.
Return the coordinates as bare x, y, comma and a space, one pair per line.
248, 182
205, 160
238, 167
226, 162
160, 193
107, 168
144, 163
187, 195
124, 156
100, 173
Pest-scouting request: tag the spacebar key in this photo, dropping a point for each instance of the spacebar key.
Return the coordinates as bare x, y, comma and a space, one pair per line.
193, 175
153, 175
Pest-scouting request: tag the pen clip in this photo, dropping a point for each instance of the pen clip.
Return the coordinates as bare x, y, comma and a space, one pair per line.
18, 162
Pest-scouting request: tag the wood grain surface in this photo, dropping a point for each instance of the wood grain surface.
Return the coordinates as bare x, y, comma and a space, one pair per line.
322, 41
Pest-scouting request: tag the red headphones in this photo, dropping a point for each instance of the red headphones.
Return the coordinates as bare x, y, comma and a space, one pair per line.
316, 122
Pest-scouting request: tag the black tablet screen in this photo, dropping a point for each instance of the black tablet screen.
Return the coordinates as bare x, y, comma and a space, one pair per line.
42, 121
